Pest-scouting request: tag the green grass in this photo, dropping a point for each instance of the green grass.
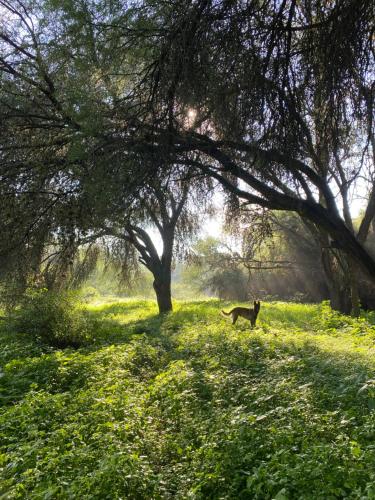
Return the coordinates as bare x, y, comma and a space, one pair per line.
189, 406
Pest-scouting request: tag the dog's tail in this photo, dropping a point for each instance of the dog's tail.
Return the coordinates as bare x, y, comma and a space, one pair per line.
226, 314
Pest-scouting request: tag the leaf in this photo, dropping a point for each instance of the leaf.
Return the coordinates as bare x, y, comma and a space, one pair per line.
281, 495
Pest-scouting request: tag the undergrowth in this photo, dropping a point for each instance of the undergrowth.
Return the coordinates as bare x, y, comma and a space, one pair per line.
189, 406
55, 318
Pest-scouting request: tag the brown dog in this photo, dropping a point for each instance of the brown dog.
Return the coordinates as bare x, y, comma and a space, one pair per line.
250, 314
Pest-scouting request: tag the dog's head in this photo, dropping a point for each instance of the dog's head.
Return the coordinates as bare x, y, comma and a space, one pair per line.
256, 306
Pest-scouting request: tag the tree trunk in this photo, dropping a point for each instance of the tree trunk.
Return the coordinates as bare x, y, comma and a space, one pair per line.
339, 293
162, 287
163, 274
160, 267
341, 235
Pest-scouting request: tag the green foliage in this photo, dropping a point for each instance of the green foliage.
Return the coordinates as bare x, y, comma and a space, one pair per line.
189, 406
55, 318
107, 280
213, 271
333, 322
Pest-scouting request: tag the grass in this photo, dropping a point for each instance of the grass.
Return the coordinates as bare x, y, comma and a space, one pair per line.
189, 406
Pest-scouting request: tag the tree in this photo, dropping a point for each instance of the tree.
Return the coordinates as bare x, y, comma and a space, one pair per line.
283, 102
288, 261
75, 127
167, 207
56, 137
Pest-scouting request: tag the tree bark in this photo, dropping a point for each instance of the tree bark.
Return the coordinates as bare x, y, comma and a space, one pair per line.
162, 287
161, 269
339, 292
163, 278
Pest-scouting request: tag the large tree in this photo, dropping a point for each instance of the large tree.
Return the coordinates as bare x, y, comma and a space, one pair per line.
157, 226
282, 99
57, 148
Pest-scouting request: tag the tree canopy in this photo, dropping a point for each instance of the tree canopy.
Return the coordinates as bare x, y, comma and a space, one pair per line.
274, 100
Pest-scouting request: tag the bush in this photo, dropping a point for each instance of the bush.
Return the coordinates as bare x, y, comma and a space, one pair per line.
55, 318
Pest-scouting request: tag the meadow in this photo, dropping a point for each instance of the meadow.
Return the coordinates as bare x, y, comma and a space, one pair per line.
186, 405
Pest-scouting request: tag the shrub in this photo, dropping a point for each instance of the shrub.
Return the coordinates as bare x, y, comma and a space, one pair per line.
55, 318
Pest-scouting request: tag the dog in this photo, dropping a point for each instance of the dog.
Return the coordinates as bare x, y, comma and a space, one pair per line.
250, 314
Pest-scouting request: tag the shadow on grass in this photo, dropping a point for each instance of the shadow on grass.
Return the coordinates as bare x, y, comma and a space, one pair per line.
40, 367
113, 332
331, 380
335, 378
234, 400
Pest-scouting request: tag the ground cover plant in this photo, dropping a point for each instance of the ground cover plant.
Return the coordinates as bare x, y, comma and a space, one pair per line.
186, 405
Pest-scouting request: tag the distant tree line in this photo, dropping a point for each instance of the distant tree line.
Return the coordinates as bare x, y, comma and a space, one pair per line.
287, 266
